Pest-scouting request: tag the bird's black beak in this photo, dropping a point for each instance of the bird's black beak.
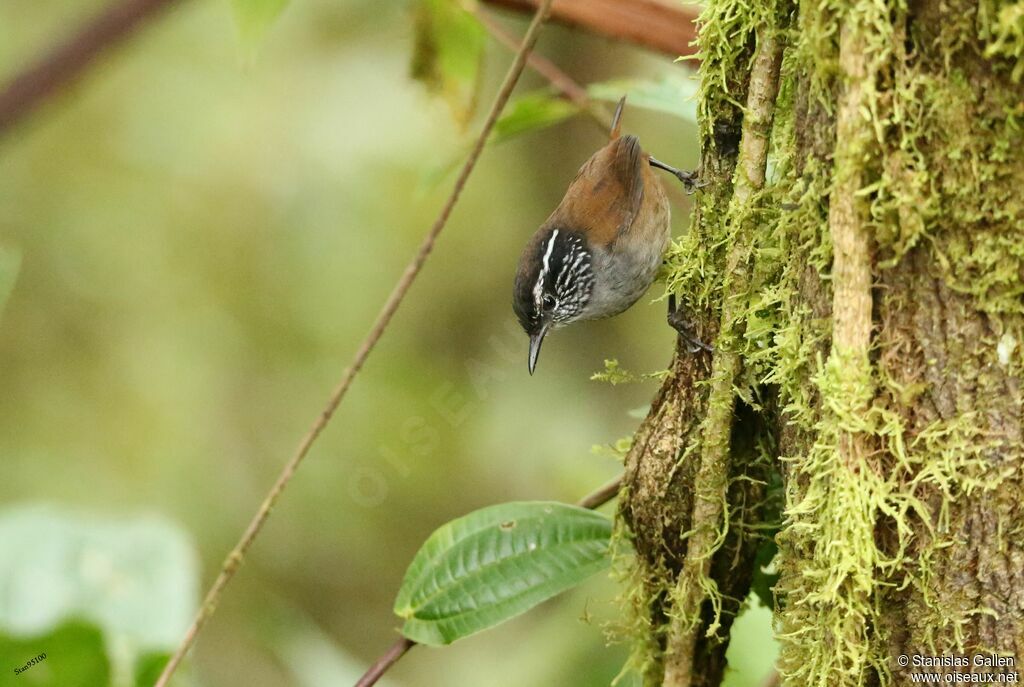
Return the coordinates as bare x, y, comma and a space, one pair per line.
535, 341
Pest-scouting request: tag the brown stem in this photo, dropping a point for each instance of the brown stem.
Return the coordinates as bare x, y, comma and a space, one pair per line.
593, 500
661, 25
235, 557
384, 663
68, 61
602, 495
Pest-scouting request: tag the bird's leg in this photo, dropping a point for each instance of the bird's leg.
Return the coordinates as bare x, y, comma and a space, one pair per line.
689, 179
684, 327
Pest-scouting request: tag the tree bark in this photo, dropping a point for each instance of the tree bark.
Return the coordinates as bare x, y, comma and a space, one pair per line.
868, 359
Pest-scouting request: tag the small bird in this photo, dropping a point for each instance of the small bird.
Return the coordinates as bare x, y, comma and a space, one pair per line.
600, 249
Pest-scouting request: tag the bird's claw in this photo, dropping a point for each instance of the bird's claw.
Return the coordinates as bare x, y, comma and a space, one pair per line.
684, 328
690, 180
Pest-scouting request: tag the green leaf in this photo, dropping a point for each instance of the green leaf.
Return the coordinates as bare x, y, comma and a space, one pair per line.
10, 264
136, 580
496, 563
448, 54
255, 17
532, 112
765, 576
671, 95
149, 667
74, 657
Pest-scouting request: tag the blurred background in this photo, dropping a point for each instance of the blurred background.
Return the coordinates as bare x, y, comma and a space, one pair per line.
196, 237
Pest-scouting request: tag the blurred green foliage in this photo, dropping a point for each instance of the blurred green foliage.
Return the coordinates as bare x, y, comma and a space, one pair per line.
530, 112
448, 54
255, 17
673, 94
72, 655
133, 582
205, 238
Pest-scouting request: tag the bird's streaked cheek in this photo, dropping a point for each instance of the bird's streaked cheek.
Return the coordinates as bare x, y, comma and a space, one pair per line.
564, 318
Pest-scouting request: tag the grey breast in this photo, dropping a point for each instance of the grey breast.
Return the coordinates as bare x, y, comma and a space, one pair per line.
623, 275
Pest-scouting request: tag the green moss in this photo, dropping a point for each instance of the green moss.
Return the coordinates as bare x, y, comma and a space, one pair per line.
642, 586
1001, 28
940, 172
942, 169
615, 374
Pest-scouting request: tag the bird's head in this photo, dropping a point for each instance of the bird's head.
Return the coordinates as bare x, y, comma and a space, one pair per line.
553, 284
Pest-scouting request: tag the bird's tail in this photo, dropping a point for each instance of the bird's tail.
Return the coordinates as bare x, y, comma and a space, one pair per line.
617, 120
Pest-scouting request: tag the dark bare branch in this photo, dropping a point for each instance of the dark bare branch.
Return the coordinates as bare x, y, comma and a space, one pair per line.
67, 61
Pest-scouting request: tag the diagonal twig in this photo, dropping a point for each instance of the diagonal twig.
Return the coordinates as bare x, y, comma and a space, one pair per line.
384, 663
393, 655
68, 61
237, 554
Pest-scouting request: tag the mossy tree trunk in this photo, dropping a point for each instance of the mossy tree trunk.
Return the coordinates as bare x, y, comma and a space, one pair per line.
858, 262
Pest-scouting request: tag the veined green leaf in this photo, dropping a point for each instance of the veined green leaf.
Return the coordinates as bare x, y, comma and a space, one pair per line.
448, 53
675, 96
496, 563
254, 17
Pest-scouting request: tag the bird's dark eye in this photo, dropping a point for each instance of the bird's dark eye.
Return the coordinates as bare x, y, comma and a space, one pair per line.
549, 301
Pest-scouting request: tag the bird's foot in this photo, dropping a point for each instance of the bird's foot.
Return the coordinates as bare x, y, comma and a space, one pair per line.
691, 180
678, 320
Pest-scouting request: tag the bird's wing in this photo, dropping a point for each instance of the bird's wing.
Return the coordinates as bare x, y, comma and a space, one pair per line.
606, 195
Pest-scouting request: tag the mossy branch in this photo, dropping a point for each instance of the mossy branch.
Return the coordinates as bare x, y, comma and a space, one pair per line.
851, 242
694, 585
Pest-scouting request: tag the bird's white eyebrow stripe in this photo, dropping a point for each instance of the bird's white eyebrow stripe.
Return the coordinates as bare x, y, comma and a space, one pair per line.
551, 247
538, 289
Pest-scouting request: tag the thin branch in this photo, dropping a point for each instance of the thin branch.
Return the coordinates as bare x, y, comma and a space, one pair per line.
592, 501
68, 61
384, 663
851, 267
661, 25
601, 495
237, 554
